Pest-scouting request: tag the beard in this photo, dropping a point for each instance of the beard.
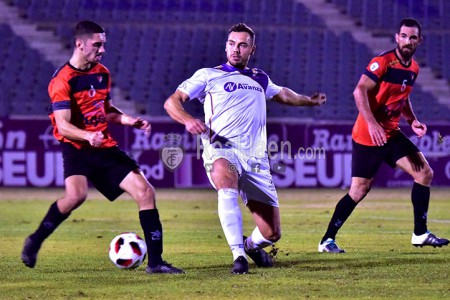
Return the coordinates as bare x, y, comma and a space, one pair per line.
238, 65
406, 53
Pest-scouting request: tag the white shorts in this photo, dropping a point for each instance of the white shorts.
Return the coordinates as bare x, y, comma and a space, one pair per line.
255, 180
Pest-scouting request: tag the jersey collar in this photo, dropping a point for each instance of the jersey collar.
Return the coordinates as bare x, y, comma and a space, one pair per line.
253, 73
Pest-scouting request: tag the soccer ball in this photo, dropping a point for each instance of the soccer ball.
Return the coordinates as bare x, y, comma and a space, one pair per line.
127, 250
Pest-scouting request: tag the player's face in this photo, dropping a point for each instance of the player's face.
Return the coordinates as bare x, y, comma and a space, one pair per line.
407, 41
93, 47
239, 49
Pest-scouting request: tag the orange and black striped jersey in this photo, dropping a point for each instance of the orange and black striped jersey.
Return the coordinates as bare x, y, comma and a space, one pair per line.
394, 84
84, 92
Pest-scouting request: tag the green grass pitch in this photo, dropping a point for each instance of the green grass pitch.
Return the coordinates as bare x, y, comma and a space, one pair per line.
380, 261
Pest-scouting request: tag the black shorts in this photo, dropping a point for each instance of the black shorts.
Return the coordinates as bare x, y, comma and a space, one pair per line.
105, 168
366, 160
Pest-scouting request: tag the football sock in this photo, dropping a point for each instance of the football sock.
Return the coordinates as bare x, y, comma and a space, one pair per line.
231, 220
153, 233
256, 241
51, 221
420, 197
343, 210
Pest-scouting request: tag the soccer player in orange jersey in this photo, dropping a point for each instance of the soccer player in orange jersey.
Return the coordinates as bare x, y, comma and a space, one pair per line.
80, 111
382, 97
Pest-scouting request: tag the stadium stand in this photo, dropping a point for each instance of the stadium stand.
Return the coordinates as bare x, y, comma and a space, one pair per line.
153, 45
24, 77
381, 16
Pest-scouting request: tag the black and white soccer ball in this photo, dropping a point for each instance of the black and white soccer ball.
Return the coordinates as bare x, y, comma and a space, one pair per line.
127, 250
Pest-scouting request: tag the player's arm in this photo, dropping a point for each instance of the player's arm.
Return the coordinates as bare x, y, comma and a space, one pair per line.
419, 129
68, 130
289, 97
364, 86
115, 115
174, 108
59, 91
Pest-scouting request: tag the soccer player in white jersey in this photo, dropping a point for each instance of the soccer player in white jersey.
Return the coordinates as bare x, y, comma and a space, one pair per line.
235, 142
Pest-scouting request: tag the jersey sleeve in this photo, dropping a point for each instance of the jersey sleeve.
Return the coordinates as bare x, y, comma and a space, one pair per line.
272, 90
195, 86
376, 69
59, 92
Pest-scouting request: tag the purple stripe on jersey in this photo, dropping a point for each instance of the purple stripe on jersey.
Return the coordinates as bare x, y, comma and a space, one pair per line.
371, 75
84, 82
399, 76
61, 105
256, 74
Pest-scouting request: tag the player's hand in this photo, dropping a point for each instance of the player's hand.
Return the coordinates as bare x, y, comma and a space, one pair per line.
95, 139
377, 134
142, 124
195, 126
419, 129
319, 98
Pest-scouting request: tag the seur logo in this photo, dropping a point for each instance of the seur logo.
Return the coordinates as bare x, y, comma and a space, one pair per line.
230, 87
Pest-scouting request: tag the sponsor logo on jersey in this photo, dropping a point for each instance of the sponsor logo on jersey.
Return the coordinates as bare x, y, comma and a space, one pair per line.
393, 63
232, 86
92, 91
94, 120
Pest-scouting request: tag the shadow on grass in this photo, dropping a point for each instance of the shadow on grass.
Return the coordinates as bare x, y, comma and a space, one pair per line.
369, 261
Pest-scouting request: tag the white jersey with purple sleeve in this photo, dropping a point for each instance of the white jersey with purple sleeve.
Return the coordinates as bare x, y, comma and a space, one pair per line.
234, 102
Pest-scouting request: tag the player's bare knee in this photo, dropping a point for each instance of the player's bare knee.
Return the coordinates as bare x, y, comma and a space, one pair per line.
359, 193
224, 175
429, 173
225, 182
425, 176
359, 196
71, 201
76, 197
145, 195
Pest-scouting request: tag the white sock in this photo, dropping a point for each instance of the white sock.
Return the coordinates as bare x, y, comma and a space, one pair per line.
231, 220
256, 241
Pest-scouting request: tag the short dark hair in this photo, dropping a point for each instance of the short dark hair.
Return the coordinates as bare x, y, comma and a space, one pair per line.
411, 22
87, 28
242, 27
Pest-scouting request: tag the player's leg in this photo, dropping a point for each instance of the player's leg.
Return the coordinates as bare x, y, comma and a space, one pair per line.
266, 232
267, 219
344, 208
75, 195
224, 177
137, 186
417, 166
365, 164
260, 196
